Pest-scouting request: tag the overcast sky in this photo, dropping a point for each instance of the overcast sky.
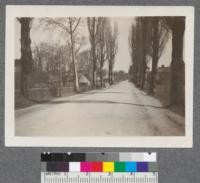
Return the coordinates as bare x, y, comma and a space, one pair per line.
123, 60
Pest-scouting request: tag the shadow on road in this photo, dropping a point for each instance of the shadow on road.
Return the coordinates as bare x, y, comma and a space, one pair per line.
112, 92
104, 102
102, 92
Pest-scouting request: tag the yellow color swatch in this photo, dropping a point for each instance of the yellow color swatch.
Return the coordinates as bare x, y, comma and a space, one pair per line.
108, 166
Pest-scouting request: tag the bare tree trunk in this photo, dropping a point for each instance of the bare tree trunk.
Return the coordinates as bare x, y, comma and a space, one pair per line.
155, 55
60, 83
135, 71
112, 75
143, 72
102, 60
139, 51
177, 64
76, 83
109, 74
143, 68
132, 43
101, 76
112, 47
93, 28
94, 66
26, 54
101, 66
24, 84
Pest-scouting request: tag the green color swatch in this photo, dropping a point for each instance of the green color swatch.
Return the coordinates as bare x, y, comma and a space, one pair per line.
120, 167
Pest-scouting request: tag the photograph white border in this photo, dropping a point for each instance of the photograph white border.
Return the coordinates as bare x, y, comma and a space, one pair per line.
13, 11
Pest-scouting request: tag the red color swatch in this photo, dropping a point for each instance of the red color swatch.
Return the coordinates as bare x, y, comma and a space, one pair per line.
96, 166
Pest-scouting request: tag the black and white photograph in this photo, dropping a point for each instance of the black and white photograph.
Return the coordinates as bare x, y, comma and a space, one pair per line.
114, 74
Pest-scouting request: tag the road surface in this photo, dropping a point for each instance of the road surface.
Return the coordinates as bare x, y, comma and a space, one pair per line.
120, 110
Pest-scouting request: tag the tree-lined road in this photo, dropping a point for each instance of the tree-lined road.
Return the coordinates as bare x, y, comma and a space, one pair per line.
120, 110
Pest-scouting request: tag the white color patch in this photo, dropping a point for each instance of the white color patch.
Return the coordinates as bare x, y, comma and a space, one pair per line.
74, 166
150, 157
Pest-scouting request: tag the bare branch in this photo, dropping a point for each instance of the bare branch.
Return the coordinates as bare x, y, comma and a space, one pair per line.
78, 21
51, 21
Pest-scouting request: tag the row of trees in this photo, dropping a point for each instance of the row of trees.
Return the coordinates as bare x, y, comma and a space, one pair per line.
69, 26
103, 40
147, 39
50, 58
102, 37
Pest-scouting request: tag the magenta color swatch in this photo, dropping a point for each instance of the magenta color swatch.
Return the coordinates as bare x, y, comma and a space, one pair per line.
86, 167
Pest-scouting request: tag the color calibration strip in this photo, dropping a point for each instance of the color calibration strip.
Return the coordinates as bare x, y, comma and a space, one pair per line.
99, 167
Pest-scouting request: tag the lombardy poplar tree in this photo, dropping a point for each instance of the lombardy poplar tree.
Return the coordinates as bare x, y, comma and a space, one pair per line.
26, 54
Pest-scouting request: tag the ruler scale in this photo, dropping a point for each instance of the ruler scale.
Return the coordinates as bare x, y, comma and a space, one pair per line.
99, 168
62, 177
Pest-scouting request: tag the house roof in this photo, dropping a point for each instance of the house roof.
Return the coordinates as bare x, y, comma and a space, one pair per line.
83, 79
85, 47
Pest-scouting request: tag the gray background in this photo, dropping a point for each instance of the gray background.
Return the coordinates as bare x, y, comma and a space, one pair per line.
22, 165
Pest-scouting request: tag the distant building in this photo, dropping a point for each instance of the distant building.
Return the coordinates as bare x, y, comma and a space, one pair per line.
83, 81
163, 74
120, 76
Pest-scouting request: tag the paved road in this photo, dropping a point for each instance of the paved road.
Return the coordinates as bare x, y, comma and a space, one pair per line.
120, 110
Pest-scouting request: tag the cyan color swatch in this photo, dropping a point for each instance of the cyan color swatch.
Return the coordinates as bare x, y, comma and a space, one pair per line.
131, 167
